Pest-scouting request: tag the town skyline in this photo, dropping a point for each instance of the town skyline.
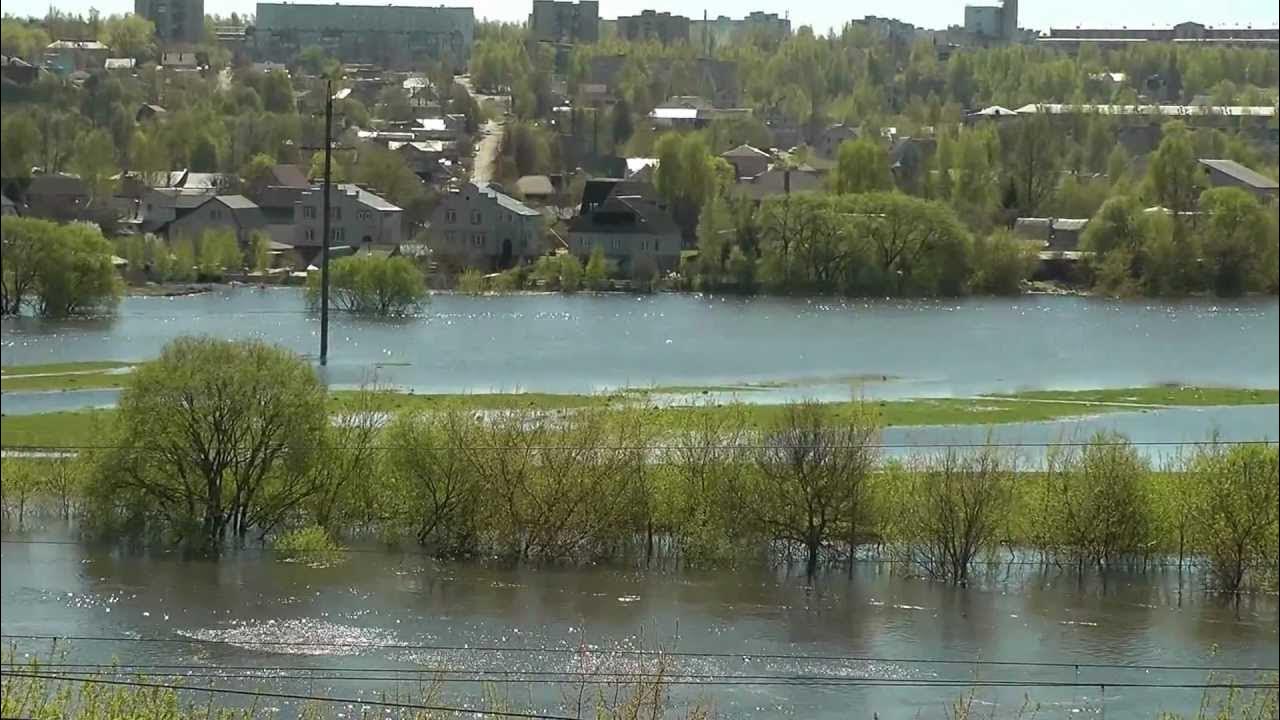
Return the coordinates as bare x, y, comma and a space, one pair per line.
931, 14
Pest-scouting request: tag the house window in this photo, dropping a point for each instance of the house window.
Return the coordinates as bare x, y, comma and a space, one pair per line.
657, 245
477, 239
364, 215
309, 212
475, 217
451, 216
215, 214
336, 235
310, 235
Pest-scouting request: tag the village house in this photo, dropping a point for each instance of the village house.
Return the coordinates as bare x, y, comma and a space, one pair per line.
235, 213
629, 223
57, 196
479, 226
747, 161
65, 56
829, 140
357, 218
1229, 173
1052, 234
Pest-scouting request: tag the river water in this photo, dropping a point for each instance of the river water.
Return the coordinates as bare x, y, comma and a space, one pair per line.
584, 343
499, 624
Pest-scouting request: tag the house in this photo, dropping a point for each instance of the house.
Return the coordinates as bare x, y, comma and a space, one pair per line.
236, 213
628, 221
692, 111
119, 64
536, 188
180, 60
18, 71
1229, 173
57, 196
65, 56
357, 217
149, 111
423, 157
1054, 234
163, 205
479, 226
747, 161
992, 112
779, 181
829, 140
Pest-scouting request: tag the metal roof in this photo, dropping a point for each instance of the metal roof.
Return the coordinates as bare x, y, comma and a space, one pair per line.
507, 202
1166, 110
238, 202
1233, 169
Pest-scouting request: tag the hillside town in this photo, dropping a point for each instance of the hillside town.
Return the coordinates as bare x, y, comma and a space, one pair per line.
653, 139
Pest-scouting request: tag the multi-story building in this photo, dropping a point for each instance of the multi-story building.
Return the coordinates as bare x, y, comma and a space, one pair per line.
1187, 33
235, 213
708, 34
565, 22
178, 22
629, 223
651, 25
358, 218
479, 226
391, 36
992, 23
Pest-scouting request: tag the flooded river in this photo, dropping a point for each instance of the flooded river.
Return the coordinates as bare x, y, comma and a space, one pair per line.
824, 347
362, 628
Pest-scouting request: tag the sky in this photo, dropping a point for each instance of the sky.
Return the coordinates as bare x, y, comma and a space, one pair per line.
822, 14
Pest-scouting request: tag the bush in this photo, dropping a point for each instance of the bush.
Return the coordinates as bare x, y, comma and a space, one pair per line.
310, 544
1236, 513
597, 272
372, 285
471, 282
1001, 262
56, 270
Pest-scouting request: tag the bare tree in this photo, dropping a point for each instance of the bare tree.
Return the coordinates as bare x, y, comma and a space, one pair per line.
810, 484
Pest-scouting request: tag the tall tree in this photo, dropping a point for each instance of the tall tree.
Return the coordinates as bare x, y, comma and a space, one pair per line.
1033, 162
1172, 174
862, 166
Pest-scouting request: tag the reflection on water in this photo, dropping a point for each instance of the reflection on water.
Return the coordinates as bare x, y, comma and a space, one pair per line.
582, 343
380, 616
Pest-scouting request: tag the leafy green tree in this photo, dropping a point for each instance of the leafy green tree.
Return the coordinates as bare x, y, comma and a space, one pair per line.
68, 272
1033, 162
1236, 234
94, 161
862, 166
22, 241
1001, 262
22, 39
622, 125
236, 460
1173, 175
1234, 513
596, 275
19, 145
131, 36
715, 230
217, 253
204, 154
688, 176
372, 285
260, 251
256, 175
313, 60
570, 273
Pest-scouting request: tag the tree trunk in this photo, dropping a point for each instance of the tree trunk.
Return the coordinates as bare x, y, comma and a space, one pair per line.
811, 561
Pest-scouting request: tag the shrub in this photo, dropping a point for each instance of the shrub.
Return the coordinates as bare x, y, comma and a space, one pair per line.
372, 285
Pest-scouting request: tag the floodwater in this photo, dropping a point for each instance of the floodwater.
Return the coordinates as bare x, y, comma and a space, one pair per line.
584, 343
520, 633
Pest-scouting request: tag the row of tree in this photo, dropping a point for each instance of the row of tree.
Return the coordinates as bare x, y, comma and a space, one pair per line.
256, 454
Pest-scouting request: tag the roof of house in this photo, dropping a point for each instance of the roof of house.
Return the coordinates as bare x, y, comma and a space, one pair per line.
626, 214
237, 202
288, 175
118, 63
198, 180
184, 198
151, 106
994, 111
1166, 110
364, 197
535, 185
597, 190
774, 182
76, 45
280, 196
437, 124
1233, 169
422, 146
745, 151
1076, 224
678, 113
506, 201
57, 184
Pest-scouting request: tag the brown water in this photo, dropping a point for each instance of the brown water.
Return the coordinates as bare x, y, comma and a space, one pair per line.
311, 629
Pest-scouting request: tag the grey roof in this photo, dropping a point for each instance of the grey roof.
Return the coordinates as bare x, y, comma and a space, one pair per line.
377, 202
1070, 223
507, 202
185, 198
238, 202
535, 185
625, 214
1233, 169
279, 196
57, 184
287, 175
745, 150
774, 182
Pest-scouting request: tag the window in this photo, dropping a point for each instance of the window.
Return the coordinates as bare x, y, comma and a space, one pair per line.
309, 212
310, 235
475, 217
477, 239
450, 237
336, 235
451, 216
657, 245
364, 215
215, 214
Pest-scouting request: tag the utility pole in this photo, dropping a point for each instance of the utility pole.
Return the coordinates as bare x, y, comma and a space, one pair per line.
324, 242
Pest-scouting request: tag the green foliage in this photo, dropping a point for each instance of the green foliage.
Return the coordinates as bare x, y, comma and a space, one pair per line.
217, 252
871, 244
862, 166
570, 273
715, 230
310, 544
1236, 235
1001, 262
372, 285
232, 461
131, 36
259, 256
1173, 173
1033, 161
596, 275
57, 270
19, 143
1233, 513
471, 282
94, 161
688, 176
26, 40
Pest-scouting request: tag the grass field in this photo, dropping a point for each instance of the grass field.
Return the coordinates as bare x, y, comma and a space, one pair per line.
94, 375
86, 427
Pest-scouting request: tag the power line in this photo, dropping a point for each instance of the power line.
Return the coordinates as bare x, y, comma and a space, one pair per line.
635, 652
740, 446
832, 682
289, 696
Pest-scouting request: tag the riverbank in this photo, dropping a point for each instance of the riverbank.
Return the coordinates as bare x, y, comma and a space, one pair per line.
660, 409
